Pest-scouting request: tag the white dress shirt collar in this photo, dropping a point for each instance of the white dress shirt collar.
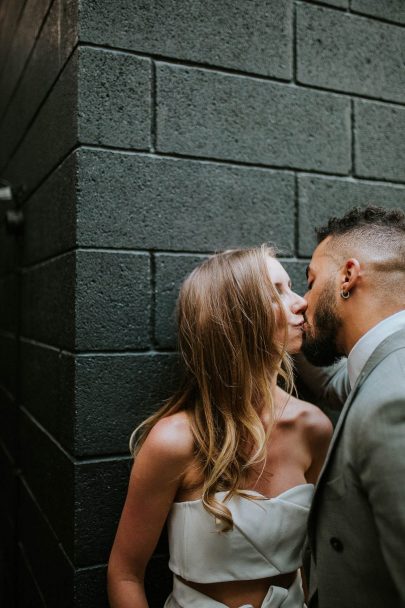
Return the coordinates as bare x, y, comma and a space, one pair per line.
364, 347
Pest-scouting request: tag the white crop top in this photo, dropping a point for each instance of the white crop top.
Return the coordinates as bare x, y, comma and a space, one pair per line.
266, 540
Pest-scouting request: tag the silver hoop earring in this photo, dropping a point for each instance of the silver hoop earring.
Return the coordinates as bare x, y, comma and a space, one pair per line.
345, 294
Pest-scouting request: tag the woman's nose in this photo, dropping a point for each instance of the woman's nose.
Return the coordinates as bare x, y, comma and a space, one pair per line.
300, 305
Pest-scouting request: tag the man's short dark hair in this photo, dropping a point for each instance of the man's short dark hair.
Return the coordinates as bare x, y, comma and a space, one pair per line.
363, 220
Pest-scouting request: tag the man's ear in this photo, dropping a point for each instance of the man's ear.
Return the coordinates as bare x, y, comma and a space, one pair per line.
350, 274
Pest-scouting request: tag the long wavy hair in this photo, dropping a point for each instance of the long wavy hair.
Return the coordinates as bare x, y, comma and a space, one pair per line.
230, 319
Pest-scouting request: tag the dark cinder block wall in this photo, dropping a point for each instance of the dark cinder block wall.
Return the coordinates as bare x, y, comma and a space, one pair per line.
139, 138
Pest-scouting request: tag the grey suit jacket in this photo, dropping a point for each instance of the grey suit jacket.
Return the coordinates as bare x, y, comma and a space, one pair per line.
356, 526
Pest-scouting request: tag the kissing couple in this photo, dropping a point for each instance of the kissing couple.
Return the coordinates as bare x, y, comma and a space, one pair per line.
245, 473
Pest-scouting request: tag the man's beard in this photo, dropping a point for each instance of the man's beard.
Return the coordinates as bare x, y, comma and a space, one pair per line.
319, 345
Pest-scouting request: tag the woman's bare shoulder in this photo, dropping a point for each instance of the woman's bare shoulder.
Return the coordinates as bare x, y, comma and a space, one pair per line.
310, 420
171, 439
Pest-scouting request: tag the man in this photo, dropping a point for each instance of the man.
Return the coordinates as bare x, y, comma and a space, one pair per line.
356, 307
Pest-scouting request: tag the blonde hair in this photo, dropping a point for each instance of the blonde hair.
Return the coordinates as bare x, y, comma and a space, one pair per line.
229, 321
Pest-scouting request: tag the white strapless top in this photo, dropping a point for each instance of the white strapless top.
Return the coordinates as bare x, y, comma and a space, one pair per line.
266, 540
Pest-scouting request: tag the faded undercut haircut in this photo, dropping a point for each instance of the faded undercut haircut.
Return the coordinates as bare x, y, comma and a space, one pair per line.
376, 228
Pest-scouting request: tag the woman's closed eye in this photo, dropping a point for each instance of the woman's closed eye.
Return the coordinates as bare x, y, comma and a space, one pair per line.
282, 289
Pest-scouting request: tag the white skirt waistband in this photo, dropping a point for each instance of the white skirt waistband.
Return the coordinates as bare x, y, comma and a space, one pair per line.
184, 596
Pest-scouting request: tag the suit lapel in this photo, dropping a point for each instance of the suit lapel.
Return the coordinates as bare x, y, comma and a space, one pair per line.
389, 345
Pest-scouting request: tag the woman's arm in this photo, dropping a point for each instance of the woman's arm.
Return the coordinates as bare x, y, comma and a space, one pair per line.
155, 478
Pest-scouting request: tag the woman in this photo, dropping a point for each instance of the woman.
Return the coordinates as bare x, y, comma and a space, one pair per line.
231, 459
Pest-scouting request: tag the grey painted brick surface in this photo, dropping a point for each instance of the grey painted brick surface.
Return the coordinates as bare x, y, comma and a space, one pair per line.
8, 358
205, 113
8, 506
9, 423
53, 47
8, 470
394, 10
159, 581
296, 270
336, 3
48, 300
100, 489
350, 53
28, 593
114, 99
50, 568
133, 207
171, 270
113, 298
8, 243
320, 198
114, 393
9, 298
48, 390
11, 13
56, 125
380, 141
90, 589
50, 215
106, 307
22, 43
252, 36
137, 201
45, 466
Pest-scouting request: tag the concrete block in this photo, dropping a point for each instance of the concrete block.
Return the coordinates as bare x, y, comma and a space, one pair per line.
114, 99
380, 141
51, 136
296, 271
9, 424
48, 390
49, 475
9, 480
10, 11
115, 393
50, 215
337, 3
392, 10
8, 505
171, 270
9, 245
158, 581
28, 592
322, 197
349, 53
53, 47
89, 301
250, 36
48, 302
136, 201
90, 588
8, 362
100, 490
208, 114
113, 300
50, 569
9, 302
21, 46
